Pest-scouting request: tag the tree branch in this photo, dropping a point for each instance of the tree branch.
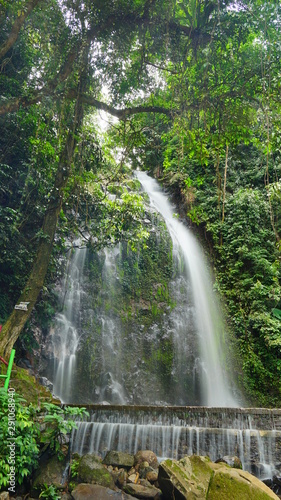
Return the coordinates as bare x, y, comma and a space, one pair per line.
13, 105
12, 38
124, 113
161, 67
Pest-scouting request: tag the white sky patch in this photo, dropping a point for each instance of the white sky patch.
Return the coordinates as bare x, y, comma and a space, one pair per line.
105, 120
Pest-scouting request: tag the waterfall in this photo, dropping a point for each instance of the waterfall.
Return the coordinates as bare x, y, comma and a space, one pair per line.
65, 331
163, 349
115, 342
111, 340
213, 381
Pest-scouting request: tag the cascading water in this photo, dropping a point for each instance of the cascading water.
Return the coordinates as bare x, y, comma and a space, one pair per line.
111, 340
112, 343
213, 382
65, 336
116, 342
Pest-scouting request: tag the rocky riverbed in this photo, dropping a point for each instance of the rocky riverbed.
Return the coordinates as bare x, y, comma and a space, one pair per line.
124, 476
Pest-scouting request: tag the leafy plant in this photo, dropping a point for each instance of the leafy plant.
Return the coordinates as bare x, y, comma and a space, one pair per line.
59, 422
19, 439
74, 468
50, 492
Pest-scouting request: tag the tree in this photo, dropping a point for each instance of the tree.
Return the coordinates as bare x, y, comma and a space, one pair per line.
195, 87
81, 31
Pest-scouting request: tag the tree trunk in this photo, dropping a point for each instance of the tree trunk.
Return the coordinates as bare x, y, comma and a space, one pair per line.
15, 323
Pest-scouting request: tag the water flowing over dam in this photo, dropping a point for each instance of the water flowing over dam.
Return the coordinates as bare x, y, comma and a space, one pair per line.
252, 434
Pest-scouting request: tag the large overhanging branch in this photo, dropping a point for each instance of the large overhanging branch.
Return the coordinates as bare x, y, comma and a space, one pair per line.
14, 105
124, 113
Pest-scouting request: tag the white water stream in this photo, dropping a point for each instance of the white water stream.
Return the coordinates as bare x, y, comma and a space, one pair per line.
101, 358
65, 335
215, 388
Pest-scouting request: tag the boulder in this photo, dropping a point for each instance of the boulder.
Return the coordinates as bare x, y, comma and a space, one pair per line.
97, 492
4, 495
140, 491
91, 470
119, 459
146, 456
230, 484
234, 462
51, 471
186, 478
199, 478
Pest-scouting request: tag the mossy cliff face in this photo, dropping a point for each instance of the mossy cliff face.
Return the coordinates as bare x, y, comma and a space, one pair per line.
128, 338
135, 311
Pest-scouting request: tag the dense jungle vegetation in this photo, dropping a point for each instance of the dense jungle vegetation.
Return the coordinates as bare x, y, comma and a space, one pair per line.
191, 92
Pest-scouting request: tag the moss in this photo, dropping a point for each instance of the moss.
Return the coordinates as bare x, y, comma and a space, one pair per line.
28, 387
227, 487
90, 470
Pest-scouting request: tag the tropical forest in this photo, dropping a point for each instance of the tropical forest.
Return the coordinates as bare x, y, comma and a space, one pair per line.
140, 250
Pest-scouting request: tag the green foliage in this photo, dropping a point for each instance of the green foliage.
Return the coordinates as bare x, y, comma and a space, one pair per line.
217, 69
74, 466
19, 440
59, 423
50, 492
22, 437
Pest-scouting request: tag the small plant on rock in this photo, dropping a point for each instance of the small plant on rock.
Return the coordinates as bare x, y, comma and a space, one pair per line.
50, 492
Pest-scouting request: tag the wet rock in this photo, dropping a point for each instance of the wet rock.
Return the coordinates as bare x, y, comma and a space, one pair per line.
274, 484
4, 495
122, 478
46, 383
198, 477
140, 491
97, 492
233, 462
49, 472
276, 480
146, 456
92, 471
119, 459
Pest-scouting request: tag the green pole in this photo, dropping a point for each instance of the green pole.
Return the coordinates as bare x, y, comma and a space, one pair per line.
9, 370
